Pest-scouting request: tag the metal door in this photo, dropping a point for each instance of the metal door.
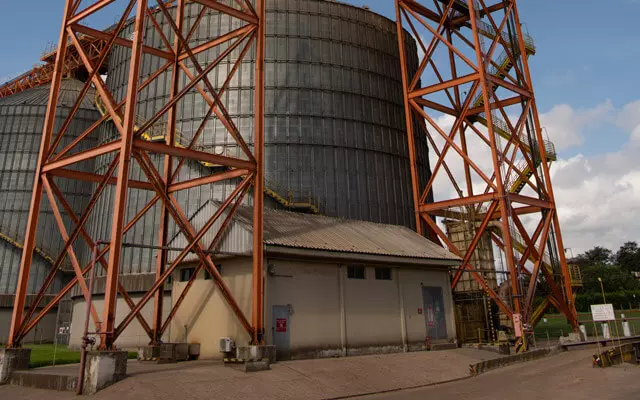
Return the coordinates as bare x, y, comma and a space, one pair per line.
434, 314
281, 329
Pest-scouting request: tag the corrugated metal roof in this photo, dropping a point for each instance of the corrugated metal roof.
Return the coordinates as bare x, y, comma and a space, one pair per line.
39, 96
289, 229
314, 232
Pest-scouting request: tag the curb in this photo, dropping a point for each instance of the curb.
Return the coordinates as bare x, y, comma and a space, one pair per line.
488, 365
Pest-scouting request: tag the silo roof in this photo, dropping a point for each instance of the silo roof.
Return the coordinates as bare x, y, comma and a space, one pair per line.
39, 96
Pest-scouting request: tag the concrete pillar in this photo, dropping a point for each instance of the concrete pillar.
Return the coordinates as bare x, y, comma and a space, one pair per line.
403, 317
103, 369
605, 331
13, 360
626, 329
583, 332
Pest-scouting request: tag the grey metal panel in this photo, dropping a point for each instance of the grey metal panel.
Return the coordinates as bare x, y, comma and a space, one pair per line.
334, 122
21, 124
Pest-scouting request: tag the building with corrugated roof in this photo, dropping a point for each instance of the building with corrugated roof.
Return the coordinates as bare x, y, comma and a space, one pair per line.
333, 287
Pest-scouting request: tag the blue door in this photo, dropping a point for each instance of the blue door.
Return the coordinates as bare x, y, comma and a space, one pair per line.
281, 329
434, 312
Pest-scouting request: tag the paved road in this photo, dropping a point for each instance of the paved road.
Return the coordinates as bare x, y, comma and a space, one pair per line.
294, 380
565, 376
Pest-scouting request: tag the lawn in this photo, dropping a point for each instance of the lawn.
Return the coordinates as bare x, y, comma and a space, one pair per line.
556, 325
43, 355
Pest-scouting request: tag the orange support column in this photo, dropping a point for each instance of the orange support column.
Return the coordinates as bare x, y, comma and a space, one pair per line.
36, 195
258, 190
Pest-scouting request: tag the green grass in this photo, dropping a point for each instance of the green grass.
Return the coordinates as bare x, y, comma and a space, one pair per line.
42, 355
557, 325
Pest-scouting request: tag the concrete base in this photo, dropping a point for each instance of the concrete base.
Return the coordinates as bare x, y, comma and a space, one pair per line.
13, 360
257, 353
103, 369
194, 351
45, 378
253, 358
570, 338
148, 353
169, 352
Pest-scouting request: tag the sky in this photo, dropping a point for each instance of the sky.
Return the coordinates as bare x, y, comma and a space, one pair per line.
585, 76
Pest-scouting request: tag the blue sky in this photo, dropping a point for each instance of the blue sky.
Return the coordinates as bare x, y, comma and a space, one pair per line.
588, 51
586, 84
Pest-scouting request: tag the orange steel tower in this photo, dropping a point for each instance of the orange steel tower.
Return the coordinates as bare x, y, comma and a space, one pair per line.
178, 60
473, 90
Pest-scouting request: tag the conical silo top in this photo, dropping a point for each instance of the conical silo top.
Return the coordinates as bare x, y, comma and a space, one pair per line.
39, 96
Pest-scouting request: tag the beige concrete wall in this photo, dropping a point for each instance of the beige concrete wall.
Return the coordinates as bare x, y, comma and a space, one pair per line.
331, 314
44, 332
206, 314
312, 290
133, 335
411, 282
372, 311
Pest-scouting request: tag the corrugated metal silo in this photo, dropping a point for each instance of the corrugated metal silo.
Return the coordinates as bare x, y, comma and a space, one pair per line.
21, 124
335, 130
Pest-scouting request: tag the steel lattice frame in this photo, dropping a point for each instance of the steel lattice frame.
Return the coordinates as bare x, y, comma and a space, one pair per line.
472, 86
129, 148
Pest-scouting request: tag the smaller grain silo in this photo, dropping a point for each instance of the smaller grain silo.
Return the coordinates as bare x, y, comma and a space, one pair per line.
21, 124
476, 315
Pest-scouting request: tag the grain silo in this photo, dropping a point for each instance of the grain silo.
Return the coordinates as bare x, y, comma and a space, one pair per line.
21, 123
335, 137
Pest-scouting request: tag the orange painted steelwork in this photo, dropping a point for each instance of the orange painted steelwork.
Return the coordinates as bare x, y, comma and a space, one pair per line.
83, 47
468, 84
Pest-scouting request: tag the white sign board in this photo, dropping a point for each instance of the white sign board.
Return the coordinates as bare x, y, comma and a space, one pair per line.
602, 312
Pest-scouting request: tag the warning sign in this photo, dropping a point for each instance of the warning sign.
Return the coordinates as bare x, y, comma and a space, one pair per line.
517, 325
602, 312
281, 324
431, 317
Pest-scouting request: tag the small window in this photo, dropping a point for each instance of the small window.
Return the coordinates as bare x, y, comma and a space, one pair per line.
355, 272
186, 274
383, 274
208, 276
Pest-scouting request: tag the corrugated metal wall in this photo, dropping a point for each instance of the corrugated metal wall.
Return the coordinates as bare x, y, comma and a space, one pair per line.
335, 128
21, 124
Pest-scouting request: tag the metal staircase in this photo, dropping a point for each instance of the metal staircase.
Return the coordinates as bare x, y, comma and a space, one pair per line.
157, 132
505, 65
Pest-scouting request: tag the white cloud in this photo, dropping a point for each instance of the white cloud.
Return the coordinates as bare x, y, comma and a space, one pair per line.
565, 125
598, 196
629, 116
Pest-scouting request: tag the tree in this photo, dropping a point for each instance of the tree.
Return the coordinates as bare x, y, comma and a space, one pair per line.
596, 256
628, 256
614, 278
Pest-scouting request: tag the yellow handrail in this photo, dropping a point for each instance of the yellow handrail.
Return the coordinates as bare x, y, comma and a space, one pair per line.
20, 246
287, 203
